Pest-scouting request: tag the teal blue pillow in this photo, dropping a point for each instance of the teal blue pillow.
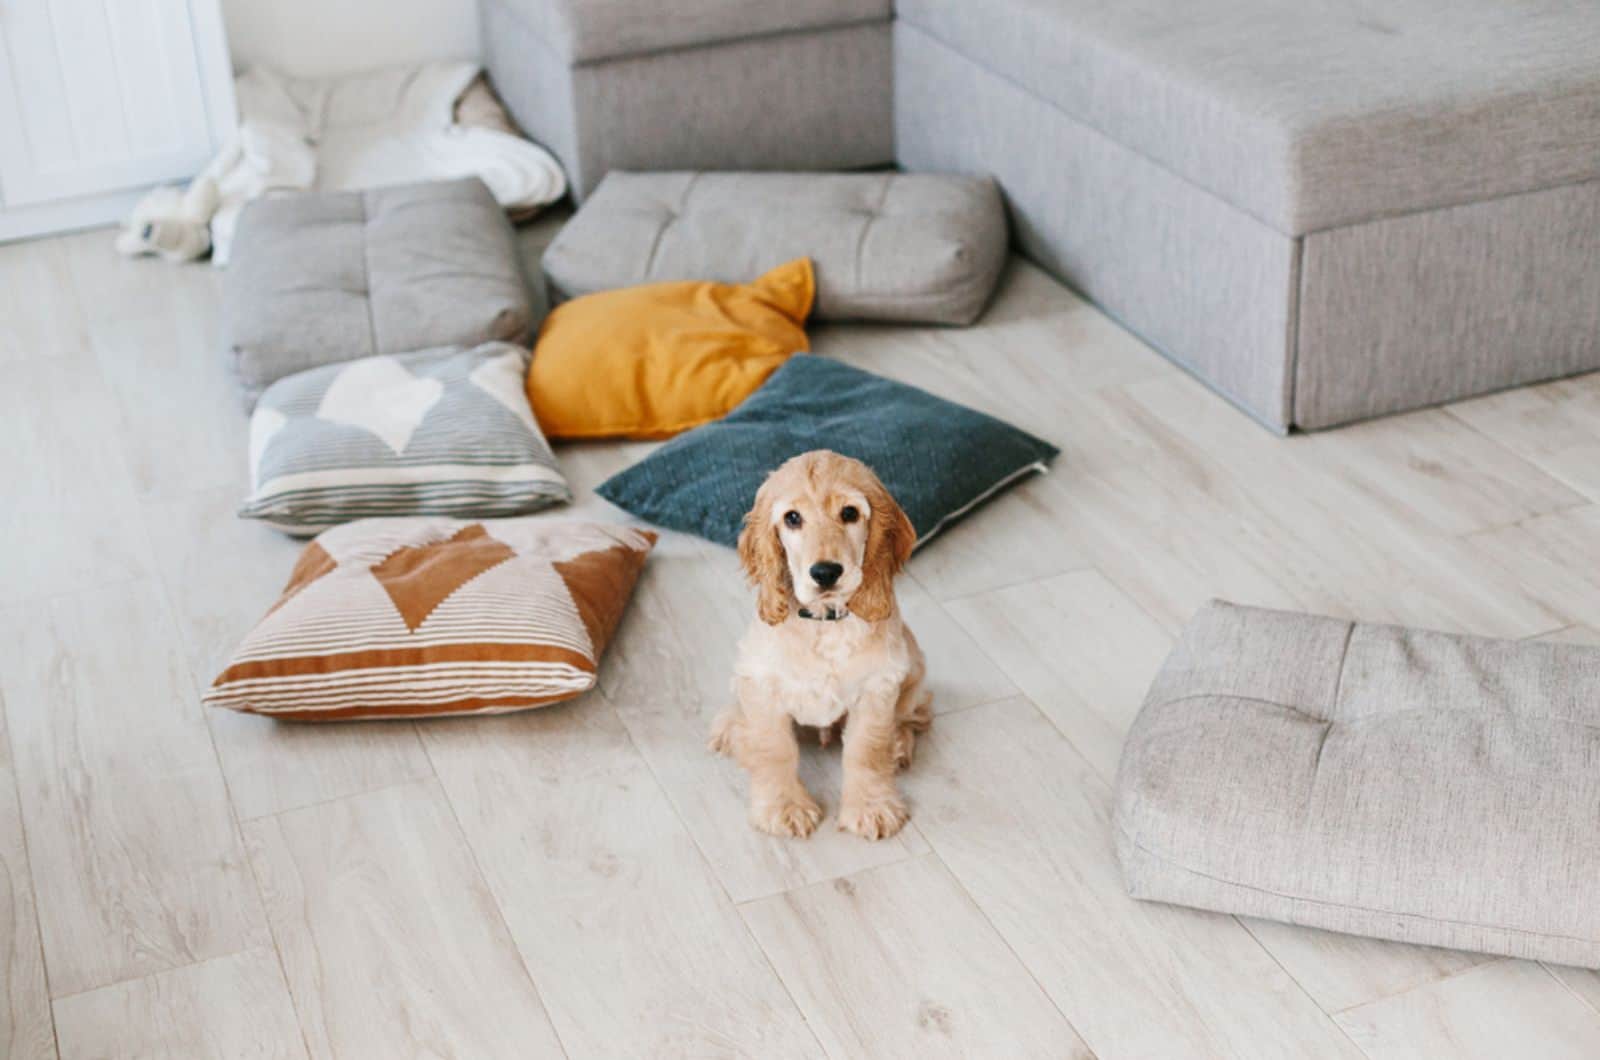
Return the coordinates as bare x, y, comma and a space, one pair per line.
939, 459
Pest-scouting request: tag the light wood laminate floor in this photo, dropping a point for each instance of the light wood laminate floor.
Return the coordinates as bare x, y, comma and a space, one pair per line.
580, 880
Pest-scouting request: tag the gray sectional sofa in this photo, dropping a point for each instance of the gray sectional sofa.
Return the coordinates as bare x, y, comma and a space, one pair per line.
695, 84
1327, 210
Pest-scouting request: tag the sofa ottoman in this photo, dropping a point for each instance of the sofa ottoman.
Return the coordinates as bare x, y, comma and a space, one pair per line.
695, 84
321, 278
1325, 211
1374, 780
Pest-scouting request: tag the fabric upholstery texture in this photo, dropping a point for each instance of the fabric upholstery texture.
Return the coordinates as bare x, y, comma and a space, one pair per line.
651, 361
1374, 780
586, 31
408, 618
1431, 307
1309, 116
937, 458
1448, 251
814, 98
438, 432
1209, 286
885, 246
321, 278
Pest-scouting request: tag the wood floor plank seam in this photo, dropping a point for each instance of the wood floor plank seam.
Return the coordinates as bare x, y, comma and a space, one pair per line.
283, 970
1562, 609
985, 652
1078, 750
231, 1005
125, 980
1335, 1010
1055, 727
1245, 928
850, 884
666, 796
1164, 926
279, 849
1592, 1003
972, 899
1486, 1012
244, 924
1453, 413
505, 923
967, 595
333, 800
268, 767
740, 903
1273, 957
1494, 528
1527, 521
28, 880
1522, 458
277, 949
238, 826
196, 687
1415, 987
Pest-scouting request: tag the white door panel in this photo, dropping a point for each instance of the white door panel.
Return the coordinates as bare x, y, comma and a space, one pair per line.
98, 95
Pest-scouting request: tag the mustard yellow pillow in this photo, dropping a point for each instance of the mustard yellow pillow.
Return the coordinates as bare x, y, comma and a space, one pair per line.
651, 361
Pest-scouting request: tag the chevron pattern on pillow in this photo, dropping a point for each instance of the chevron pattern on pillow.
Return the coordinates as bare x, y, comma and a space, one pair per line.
437, 432
405, 618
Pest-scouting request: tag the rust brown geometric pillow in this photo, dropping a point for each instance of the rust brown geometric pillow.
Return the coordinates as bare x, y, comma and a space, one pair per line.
405, 618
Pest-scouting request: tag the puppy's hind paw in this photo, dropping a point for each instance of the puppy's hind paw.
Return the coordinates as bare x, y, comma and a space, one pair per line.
722, 730
875, 819
795, 816
916, 720
904, 746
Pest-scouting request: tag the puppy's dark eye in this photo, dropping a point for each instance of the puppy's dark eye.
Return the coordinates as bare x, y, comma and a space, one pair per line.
849, 514
792, 520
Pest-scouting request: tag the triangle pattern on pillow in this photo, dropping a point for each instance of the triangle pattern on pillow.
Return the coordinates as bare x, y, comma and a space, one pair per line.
379, 394
419, 578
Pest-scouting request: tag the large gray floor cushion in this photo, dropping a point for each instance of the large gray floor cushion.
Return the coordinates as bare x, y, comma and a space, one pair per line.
1327, 210
1370, 779
885, 246
695, 84
321, 278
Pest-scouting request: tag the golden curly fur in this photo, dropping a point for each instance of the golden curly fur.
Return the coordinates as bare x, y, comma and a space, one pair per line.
822, 512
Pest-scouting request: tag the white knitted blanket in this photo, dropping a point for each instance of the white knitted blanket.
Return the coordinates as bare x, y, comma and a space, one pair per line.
363, 131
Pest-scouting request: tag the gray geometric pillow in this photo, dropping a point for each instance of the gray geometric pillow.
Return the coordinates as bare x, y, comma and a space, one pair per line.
437, 432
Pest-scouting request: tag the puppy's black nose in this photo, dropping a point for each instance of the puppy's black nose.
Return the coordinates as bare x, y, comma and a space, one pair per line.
825, 574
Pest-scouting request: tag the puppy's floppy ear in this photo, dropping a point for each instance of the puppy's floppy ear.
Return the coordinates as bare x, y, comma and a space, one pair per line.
761, 554
890, 539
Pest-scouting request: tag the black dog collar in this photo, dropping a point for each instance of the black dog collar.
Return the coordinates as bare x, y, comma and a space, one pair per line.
832, 614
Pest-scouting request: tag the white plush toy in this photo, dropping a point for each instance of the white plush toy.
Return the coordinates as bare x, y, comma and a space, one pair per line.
171, 222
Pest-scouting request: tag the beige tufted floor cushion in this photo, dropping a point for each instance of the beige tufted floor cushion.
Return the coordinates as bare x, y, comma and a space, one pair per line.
1371, 779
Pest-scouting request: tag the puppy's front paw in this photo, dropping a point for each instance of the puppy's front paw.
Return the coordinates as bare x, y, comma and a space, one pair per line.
877, 818
787, 815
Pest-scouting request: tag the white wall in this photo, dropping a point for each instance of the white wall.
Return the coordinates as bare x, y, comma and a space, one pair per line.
315, 38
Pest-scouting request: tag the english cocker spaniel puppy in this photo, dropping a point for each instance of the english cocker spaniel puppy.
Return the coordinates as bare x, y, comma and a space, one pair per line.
822, 546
